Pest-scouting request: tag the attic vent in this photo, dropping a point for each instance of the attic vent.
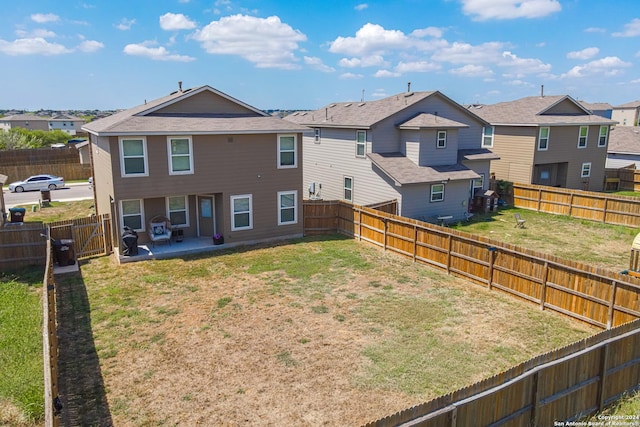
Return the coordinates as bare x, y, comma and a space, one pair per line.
361, 104
332, 105
406, 95
347, 105
187, 90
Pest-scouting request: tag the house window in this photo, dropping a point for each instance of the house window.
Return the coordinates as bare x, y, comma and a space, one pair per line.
241, 212
178, 213
132, 214
180, 155
287, 157
348, 188
477, 184
316, 135
442, 139
437, 192
582, 136
287, 207
586, 170
133, 159
361, 143
543, 139
487, 136
602, 139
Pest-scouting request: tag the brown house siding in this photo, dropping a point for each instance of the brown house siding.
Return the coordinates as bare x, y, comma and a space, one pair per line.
515, 147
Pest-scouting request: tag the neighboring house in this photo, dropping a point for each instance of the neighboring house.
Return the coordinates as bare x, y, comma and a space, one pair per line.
65, 123
626, 114
420, 148
624, 147
208, 162
598, 108
547, 140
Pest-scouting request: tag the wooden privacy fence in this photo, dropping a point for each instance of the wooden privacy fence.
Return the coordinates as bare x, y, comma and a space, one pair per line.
65, 162
90, 235
629, 178
50, 344
601, 207
562, 385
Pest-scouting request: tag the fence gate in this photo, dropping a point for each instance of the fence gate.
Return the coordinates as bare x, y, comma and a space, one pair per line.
88, 235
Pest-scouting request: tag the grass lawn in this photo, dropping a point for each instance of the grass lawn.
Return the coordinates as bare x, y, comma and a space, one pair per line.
589, 242
58, 211
324, 331
21, 373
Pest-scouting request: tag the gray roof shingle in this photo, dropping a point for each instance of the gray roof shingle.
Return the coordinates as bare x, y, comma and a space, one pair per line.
403, 171
624, 140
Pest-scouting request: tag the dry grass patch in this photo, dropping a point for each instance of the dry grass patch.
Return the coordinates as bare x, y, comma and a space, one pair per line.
314, 332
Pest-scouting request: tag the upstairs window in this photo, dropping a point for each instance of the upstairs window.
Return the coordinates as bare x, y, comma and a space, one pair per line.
442, 139
487, 136
603, 136
361, 143
180, 155
133, 157
287, 152
582, 136
543, 139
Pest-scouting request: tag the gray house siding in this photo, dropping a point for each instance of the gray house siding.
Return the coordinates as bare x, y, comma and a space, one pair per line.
416, 201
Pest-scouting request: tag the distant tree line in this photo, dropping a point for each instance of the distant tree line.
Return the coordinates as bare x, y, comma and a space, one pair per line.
18, 138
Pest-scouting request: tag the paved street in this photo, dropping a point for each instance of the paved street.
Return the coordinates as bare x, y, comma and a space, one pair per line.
72, 191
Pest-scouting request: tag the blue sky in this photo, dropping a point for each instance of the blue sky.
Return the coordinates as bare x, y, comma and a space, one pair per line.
86, 54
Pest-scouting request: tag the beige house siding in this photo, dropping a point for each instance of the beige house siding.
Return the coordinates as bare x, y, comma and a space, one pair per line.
515, 147
205, 103
625, 116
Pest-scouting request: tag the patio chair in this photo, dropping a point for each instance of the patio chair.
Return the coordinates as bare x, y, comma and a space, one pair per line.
159, 229
519, 221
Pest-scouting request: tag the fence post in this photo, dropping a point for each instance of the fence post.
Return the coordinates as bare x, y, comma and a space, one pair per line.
604, 212
570, 203
612, 304
449, 254
359, 225
415, 242
535, 399
492, 260
604, 362
543, 291
384, 242
539, 198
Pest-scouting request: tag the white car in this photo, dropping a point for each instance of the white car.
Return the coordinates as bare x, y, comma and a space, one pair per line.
37, 182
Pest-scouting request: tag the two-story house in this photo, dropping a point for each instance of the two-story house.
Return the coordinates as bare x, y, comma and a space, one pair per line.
627, 114
207, 161
546, 140
420, 148
65, 123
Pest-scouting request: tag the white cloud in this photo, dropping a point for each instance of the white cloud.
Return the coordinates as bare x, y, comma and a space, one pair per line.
482, 10
583, 54
42, 33
32, 46
609, 66
370, 39
523, 66
89, 46
125, 24
350, 76
429, 31
267, 42
159, 53
361, 6
464, 53
632, 29
317, 64
471, 70
368, 61
386, 73
176, 21
42, 18
416, 67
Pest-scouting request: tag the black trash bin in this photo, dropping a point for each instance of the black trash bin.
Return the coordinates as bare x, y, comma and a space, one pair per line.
17, 214
129, 242
63, 252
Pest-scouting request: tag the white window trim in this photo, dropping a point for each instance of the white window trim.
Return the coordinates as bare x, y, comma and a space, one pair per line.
586, 136
233, 218
441, 142
170, 156
588, 169
344, 188
295, 207
186, 210
547, 139
363, 143
473, 187
123, 173
484, 136
436, 192
606, 136
295, 150
142, 217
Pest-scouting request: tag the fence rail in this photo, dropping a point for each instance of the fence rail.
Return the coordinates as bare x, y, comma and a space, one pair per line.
601, 207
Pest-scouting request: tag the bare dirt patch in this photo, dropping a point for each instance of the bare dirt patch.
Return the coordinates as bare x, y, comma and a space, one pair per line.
316, 332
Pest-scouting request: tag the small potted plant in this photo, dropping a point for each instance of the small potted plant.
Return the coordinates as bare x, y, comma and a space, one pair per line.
218, 239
